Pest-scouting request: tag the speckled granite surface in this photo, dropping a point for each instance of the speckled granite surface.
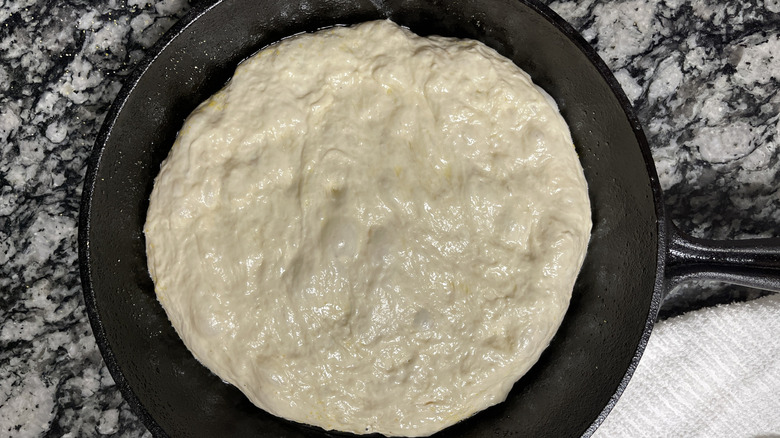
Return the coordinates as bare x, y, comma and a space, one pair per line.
703, 76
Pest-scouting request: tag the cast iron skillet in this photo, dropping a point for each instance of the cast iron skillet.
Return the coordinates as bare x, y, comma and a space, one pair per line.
635, 254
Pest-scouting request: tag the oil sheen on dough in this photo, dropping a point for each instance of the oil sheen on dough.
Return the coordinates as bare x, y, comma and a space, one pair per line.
370, 231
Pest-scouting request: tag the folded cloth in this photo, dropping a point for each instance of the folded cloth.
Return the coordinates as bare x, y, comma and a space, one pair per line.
714, 372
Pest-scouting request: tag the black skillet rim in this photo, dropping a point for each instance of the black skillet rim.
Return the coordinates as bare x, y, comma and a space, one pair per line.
194, 14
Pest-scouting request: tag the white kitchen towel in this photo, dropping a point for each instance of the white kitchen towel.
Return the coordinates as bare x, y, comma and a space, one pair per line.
710, 373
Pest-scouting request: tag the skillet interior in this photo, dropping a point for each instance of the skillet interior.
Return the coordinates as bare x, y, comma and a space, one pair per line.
616, 296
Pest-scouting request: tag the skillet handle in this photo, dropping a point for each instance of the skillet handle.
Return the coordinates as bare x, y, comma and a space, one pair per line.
751, 262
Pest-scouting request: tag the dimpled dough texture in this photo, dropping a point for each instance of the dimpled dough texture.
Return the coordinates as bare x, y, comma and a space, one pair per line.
370, 231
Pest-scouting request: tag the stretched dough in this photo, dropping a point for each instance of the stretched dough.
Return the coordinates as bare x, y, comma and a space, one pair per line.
370, 231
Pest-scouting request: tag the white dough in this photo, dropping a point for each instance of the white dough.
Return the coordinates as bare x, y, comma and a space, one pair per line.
370, 231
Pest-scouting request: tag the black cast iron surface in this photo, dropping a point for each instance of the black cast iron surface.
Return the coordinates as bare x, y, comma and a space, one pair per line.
617, 295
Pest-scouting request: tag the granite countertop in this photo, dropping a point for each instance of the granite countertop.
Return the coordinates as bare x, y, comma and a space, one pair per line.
703, 76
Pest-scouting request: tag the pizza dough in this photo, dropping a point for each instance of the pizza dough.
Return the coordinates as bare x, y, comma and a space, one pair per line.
370, 231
